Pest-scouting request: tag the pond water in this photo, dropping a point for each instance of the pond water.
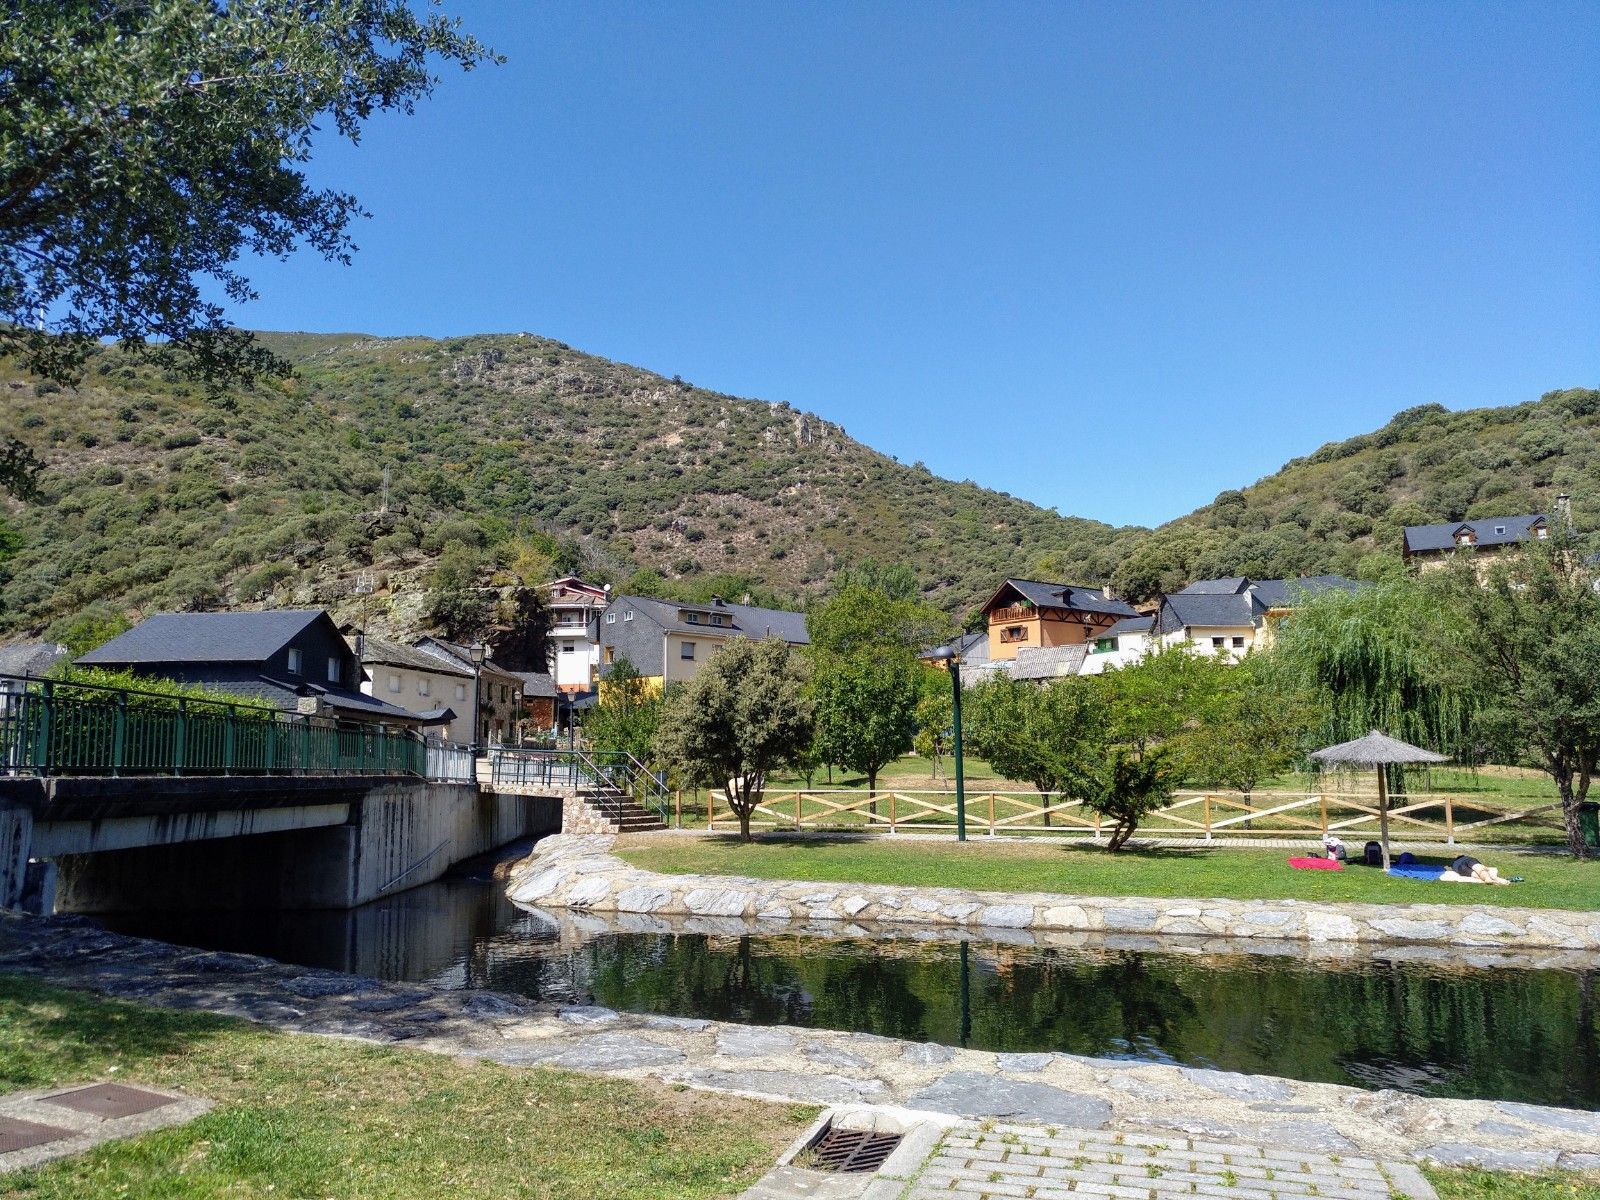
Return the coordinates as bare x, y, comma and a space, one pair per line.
1435, 1028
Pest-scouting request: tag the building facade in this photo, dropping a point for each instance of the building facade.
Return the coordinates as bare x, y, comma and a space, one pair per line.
575, 611
668, 641
500, 706
1027, 614
426, 684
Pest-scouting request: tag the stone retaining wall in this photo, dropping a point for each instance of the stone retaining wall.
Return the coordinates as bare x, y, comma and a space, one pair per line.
582, 873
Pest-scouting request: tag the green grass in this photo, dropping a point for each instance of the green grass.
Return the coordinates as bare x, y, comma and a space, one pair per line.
1035, 866
311, 1117
1454, 1184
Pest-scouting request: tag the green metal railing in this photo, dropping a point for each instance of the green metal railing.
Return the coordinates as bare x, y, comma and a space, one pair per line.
51, 727
614, 771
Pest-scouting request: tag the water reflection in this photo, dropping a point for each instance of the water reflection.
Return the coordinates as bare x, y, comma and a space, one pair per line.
1439, 1028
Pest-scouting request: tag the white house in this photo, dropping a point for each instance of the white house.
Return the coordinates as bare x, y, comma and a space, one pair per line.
575, 608
1121, 644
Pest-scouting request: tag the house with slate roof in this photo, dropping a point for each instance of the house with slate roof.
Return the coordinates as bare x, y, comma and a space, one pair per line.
1028, 614
499, 708
1432, 546
1118, 645
433, 687
293, 659
1229, 617
668, 641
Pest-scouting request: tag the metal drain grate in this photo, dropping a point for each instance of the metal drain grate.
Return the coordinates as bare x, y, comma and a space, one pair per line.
110, 1100
17, 1134
852, 1150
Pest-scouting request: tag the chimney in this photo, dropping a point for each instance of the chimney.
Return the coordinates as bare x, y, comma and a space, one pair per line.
1106, 592
1564, 510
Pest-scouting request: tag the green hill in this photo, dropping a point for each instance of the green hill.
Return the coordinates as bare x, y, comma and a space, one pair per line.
1330, 510
158, 496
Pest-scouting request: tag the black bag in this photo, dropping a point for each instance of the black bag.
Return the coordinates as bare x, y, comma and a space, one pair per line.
1373, 855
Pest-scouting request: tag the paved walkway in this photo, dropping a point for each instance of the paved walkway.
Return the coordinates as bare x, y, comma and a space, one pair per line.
990, 1161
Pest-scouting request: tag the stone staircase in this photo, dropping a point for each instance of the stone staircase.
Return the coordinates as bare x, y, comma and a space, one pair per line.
607, 810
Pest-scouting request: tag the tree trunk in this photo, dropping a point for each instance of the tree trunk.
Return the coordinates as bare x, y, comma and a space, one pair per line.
744, 824
1120, 833
1569, 813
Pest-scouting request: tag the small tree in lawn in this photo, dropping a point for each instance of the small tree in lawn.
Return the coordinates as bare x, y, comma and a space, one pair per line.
1254, 728
743, 716
865, 710
1128, 785
934, 720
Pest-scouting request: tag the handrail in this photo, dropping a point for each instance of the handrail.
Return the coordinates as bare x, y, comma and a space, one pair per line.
53, 728
611, 770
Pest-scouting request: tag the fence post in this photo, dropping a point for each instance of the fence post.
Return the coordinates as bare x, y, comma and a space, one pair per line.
710, 808
180, 745
1205, 808
1322, 797
891, 812
119, 733
42, 734
230, 742
1449, 821
991, 814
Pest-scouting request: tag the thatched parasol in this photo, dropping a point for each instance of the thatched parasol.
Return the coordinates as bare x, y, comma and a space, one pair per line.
1377, 750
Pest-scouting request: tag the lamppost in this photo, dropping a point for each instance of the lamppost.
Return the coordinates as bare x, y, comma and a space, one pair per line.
952, 661
479, 652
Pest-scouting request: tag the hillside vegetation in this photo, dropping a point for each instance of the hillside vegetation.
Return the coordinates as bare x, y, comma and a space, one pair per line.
508, 450
159, 496
1332, 509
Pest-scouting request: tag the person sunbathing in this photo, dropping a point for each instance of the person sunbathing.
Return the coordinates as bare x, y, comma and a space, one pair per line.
1469, 870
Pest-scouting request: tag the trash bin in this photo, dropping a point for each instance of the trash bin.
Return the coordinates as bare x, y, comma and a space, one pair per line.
1589, 823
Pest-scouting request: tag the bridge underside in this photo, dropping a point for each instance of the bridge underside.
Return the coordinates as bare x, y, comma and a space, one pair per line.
96, 844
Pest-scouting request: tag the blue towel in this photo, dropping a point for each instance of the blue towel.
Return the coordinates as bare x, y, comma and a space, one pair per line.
1417, 871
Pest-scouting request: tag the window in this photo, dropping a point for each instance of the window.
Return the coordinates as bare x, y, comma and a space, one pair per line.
1541, 531
1238, 642
335, 669
461, 691
716, 620
1014, 633
692, 618
628, 616
503, 693
611, 654
1105, 645
423, 687
1216, 643
1499, 528
567, 647
394, 682
611, 618
686, 651
294, 662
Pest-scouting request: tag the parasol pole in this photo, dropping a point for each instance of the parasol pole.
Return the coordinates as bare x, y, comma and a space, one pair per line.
1383, 814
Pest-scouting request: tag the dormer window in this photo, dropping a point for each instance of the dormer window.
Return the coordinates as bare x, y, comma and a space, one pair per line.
294, 662
611, 618
335, 669
692, 618
1499, 528
628, 616
1541, 531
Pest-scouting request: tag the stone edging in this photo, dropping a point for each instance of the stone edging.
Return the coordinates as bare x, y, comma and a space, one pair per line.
568, 871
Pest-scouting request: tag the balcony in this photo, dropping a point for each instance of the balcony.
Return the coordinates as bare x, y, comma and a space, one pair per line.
1016, 612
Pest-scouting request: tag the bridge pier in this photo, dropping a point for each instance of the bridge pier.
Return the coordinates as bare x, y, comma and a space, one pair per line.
247, 843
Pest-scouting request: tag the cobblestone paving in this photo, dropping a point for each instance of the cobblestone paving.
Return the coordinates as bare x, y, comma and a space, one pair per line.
991, 1161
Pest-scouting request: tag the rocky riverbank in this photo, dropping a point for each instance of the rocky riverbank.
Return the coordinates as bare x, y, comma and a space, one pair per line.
581, 872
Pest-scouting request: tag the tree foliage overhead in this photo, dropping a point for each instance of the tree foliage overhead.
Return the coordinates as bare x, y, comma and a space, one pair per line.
146, 146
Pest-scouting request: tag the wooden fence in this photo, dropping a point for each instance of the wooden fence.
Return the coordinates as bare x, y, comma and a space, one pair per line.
1204, 815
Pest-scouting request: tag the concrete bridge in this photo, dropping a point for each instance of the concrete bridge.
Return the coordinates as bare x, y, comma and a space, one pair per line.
118, 799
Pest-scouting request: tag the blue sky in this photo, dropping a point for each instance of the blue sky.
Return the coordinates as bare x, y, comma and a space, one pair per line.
1111, 258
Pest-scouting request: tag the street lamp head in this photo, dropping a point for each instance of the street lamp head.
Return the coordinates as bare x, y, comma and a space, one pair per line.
945, 654
479, 652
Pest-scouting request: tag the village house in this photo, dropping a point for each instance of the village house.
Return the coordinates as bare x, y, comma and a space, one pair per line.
294, 659
426, 684
1229, 617
499, 708
1025, 614
1430, 547
668, 641
1118, 645
575, 608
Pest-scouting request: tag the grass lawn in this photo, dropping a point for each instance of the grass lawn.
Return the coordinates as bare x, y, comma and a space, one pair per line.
1036, 866
310, 1117
1495, 1185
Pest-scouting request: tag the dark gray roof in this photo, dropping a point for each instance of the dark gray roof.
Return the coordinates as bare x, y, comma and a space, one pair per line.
1075, 596
286, 693
31, 658
395, 654
1184, 610
1282, 593
973, 648
1490, 531
220, 637
744, 620
1127, 625
1230, 586
458, 655
536, 685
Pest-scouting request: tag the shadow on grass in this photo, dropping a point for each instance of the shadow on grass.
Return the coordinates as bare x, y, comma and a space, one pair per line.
50, 1035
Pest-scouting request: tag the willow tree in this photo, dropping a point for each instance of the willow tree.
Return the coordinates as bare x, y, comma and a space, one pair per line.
1380, 658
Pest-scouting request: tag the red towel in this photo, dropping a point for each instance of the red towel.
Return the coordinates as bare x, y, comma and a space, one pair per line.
1317, 864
